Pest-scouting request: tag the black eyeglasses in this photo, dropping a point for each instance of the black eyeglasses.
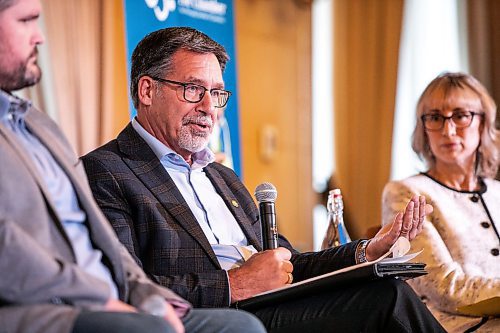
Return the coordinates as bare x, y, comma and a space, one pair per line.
193, 93
461, 119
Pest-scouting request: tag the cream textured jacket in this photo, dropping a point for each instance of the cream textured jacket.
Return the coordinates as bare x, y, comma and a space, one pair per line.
461, 246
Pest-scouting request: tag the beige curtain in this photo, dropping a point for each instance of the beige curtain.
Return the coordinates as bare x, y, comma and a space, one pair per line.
366, 36
42, 94
484, 45
87, 58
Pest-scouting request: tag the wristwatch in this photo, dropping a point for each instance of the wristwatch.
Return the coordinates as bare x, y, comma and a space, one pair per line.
361, 251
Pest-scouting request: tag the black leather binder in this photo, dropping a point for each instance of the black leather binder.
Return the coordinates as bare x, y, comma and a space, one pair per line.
350, 275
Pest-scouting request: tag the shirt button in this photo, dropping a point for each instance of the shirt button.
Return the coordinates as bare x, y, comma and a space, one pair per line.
474, 198
494, 252
485, 225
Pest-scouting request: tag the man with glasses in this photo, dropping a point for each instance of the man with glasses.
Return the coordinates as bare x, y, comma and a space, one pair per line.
194, 227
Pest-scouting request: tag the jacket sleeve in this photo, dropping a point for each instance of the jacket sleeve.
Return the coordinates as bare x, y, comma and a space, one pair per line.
36, 276
204, 289
141, 287
310, 264
447, 285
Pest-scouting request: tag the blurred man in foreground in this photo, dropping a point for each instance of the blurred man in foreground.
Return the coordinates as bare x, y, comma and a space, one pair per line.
62, 267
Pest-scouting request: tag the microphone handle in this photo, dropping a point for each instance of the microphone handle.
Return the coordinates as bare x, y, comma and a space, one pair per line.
269, 227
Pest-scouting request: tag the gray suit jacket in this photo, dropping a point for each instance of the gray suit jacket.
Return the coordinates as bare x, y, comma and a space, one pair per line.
155, 223
41, 287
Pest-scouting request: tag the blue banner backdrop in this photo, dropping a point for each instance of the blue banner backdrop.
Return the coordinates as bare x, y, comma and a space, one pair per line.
214, 18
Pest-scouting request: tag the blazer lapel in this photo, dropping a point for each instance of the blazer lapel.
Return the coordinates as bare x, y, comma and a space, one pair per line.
234, 206
147, 167
52, 143
28, 162
58, 151
67, 160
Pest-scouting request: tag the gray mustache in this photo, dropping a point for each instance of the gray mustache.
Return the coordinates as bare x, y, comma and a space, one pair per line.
201, 120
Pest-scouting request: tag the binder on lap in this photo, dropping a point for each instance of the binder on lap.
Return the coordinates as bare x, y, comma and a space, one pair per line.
344, 277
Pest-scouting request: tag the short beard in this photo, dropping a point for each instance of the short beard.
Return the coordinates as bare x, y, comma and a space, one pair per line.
21, 78
194, 141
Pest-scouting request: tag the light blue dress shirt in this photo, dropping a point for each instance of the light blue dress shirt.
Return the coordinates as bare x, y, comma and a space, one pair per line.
220, 227
12, 113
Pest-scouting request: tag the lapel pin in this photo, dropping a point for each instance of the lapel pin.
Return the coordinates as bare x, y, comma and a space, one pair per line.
235, 203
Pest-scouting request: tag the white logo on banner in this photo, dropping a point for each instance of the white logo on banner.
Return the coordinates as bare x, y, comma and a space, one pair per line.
209, 10
161, 14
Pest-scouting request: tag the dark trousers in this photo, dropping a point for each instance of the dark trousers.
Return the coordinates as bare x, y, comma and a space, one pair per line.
386, 305
197, 321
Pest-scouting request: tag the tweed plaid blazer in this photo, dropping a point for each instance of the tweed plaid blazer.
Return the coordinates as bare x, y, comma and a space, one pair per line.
152, 219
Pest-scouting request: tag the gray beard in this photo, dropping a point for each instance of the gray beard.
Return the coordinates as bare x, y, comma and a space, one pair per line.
191, 140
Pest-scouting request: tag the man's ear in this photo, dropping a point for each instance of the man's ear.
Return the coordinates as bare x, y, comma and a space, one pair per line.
145, 90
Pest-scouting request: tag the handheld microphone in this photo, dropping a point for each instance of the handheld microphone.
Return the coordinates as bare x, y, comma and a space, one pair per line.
266, 194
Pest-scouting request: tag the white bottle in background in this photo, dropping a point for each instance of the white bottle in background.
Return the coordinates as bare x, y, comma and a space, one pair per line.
336, 234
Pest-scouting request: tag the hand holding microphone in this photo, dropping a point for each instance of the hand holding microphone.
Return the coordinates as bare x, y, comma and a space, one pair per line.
265, 270
266, 195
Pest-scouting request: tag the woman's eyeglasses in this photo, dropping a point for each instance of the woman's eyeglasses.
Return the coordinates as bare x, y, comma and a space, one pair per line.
461, 119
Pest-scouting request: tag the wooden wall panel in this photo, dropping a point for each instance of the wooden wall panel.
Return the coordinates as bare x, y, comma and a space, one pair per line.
273, 40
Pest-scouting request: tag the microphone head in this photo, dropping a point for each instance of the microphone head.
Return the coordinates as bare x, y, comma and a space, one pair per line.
266, 192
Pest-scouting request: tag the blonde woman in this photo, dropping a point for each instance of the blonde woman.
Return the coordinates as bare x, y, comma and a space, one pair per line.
456, 136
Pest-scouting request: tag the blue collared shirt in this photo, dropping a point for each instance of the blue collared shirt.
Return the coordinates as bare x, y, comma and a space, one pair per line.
219, 225
12, 113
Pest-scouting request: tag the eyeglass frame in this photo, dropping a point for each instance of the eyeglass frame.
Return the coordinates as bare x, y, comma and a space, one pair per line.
185, 84
471, 113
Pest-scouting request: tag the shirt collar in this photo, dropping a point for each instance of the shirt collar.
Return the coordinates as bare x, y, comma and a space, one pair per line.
12, 106
200, 159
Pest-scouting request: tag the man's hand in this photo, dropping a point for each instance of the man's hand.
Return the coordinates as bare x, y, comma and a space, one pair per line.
262, 272
172, 319
114, 305
408, 224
